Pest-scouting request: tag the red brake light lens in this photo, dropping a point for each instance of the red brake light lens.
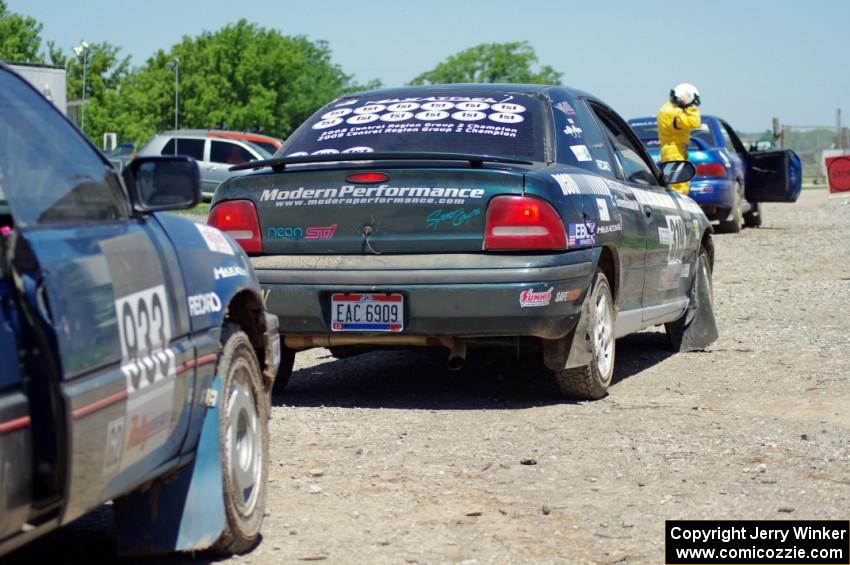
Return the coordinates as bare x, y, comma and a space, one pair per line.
238, 219
368, 178
711, 170
522, 223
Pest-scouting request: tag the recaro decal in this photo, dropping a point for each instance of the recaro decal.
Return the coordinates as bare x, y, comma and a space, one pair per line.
202, 304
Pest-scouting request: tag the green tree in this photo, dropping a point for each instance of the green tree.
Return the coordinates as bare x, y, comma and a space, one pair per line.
20, 40
242, 76
491, 62
105, 72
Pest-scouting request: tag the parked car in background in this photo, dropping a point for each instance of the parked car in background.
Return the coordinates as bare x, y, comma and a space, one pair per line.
136, 356
466, 216
214, 151
270, 144
722, 163
121, 155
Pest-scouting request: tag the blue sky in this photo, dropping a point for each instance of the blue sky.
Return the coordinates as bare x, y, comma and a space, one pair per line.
751, 60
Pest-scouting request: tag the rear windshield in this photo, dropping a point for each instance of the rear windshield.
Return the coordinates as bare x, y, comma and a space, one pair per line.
647, 131
508, 125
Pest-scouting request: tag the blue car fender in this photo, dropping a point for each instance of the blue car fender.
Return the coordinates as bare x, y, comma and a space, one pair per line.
215, 270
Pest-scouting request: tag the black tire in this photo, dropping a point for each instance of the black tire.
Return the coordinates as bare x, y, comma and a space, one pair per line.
244, 430
346, 351
284, 372
736, 223
676, 329
591, 382
752, 219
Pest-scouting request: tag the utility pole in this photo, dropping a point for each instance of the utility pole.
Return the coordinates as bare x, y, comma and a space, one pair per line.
175, 64
83, 49
777, 134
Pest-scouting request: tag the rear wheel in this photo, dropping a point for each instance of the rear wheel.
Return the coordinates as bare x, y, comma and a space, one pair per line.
244, 442
736, 219
591, 382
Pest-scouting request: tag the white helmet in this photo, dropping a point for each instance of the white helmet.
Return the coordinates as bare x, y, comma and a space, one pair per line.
685, 94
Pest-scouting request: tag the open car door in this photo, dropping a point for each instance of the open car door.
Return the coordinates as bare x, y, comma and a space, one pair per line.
773, 176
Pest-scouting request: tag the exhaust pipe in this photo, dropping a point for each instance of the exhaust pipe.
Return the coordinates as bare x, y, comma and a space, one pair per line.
457, 355
457, 347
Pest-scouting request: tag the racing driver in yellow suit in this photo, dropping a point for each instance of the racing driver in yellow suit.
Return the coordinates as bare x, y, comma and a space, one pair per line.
676, 118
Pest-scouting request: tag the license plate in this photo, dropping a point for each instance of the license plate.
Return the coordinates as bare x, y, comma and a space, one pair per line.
367, 312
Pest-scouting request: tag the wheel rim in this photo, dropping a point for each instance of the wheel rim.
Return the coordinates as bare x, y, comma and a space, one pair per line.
244, 447
603, 335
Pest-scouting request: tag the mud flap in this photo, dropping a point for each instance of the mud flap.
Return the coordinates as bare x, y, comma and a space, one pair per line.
701, 329
184, 512
575, 350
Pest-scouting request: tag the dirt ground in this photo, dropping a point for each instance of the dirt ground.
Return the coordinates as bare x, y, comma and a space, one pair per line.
389, 458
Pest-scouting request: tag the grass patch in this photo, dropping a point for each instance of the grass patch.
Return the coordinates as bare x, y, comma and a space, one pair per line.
201, 211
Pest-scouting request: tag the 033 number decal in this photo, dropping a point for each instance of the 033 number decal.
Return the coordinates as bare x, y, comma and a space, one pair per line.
144, 324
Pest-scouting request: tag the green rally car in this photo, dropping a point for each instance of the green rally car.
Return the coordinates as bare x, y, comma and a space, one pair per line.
465, 216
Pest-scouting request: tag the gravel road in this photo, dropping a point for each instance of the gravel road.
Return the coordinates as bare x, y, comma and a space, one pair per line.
389, 458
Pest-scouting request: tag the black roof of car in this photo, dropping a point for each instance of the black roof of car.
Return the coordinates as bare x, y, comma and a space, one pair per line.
460, 88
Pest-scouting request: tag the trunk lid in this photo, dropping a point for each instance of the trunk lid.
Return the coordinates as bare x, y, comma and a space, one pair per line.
414, 210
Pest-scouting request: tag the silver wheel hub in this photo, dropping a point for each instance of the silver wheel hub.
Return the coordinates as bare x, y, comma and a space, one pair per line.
603, 336
243, 445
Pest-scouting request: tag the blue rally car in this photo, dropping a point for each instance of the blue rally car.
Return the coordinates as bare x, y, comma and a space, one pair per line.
723, 166
136, 356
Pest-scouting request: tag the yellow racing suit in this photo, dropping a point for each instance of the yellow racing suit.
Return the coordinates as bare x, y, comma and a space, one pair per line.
674, 133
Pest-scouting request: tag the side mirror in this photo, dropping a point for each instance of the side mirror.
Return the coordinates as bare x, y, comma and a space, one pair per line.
677, 171
162, 183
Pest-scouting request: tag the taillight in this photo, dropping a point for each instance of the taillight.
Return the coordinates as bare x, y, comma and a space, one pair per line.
238, 219
368, 178
711, 170
522, 223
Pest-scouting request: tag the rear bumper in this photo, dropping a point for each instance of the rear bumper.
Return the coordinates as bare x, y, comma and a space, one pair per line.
449, 295
715, 196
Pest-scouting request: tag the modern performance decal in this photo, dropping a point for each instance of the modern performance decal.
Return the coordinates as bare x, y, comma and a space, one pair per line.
359, 195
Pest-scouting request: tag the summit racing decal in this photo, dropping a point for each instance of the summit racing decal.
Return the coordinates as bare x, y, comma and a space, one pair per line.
383, 194
531, 299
